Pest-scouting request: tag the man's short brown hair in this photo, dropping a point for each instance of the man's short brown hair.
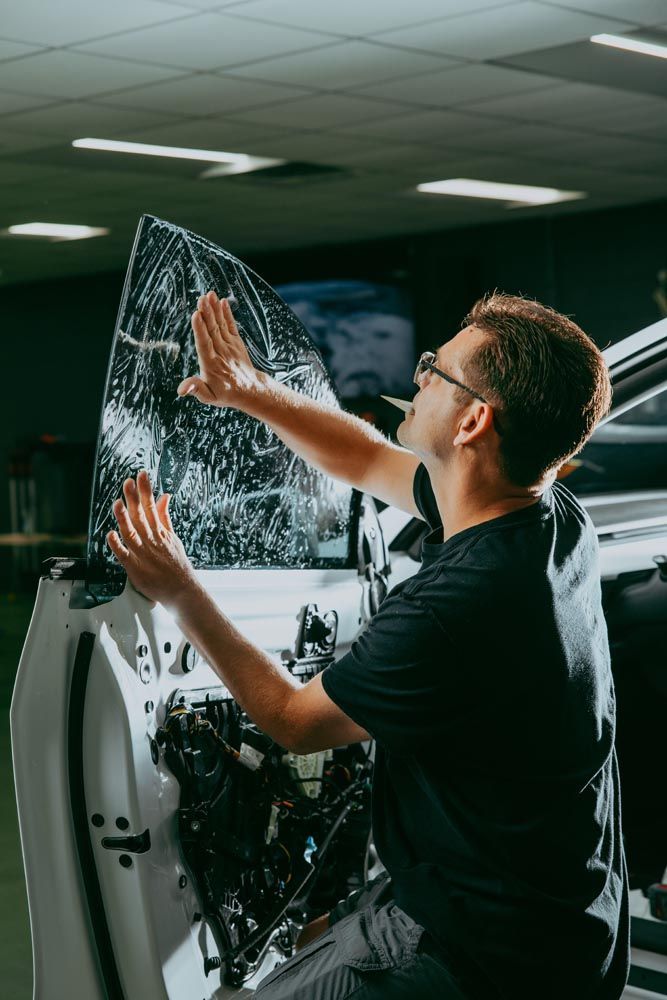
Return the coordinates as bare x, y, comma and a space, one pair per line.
548, 381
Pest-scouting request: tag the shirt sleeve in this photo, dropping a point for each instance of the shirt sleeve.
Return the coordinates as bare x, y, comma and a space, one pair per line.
424, 497
399, 679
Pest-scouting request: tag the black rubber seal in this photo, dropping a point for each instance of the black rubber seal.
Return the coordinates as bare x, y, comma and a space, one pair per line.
84, 846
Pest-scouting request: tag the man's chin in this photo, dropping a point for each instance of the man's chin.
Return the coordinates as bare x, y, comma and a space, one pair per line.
402, 433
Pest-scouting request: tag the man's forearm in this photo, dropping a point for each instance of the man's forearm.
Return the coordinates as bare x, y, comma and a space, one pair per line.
337, 443
260, 685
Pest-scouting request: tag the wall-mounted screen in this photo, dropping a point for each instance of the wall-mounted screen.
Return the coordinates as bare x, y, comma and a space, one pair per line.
364, 331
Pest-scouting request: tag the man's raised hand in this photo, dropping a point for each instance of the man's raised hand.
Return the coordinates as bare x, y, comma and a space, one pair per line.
226, 373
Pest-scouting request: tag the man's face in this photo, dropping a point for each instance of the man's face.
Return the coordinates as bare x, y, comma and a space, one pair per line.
432, 426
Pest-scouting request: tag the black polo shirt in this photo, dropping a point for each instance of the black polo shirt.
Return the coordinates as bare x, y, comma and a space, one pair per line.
485, 679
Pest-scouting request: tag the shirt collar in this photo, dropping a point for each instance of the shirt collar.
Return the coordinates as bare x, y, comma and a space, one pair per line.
434, 548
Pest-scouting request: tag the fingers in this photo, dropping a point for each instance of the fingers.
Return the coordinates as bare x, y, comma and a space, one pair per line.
148, 501
203, 343
130, 535
218, 319
163, 511
226, 321
219, 313
231, 322
195, 386
135, 508
206, 308
187, 387
115, 544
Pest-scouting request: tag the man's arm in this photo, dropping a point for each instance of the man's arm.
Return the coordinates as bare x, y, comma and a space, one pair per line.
337, 443
300, 717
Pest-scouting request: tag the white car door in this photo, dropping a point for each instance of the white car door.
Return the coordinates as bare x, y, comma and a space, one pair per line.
170, 849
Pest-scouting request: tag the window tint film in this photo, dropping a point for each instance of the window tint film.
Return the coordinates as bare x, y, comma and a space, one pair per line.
240, 498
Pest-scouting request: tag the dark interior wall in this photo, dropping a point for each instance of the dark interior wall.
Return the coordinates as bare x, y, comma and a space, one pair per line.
55, 347
598, 267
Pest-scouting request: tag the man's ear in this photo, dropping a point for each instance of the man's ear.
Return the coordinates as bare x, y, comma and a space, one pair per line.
474, 422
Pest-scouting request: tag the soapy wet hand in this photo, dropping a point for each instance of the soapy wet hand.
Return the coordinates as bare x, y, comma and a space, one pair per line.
146, 545
226, 373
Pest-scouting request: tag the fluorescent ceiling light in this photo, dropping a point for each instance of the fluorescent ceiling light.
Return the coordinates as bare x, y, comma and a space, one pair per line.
631, 45
516, 194
54, 231
232, 163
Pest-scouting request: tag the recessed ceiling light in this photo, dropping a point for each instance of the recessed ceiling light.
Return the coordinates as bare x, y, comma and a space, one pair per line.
515, 194
55, 231
232, 163
631, 45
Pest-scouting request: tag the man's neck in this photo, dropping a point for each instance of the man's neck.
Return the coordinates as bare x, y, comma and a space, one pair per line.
466, 499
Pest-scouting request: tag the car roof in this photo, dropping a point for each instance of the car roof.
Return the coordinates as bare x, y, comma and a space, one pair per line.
636, 343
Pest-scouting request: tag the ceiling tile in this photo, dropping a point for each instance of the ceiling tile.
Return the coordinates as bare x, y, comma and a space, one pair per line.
351, 18
643, 186
502, 31
648, 123
69, 74
343, 65
434, 127
409, 161
77, 119
209, 133
460, 86
13, 173
599, 65
203, 94
323, 111
519, 139
560, 103
69, 21
638, 11
612, 152
207, 41
326, 148
204, 4
10, 49
11, 102
117, 187
12, 142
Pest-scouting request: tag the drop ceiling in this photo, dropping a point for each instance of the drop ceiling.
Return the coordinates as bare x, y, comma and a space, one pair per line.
390, 94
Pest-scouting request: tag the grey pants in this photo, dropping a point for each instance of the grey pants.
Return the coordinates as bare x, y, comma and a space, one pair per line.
372, 949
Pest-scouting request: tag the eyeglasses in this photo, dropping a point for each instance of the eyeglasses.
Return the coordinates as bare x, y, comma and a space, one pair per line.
425, 364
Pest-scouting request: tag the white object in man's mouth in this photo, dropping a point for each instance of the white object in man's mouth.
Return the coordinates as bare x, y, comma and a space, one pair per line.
402, 404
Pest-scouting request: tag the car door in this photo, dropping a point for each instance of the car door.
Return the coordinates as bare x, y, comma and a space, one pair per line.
170, 849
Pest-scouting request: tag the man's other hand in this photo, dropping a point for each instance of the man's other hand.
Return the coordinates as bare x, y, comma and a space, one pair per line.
226, 373
148, 548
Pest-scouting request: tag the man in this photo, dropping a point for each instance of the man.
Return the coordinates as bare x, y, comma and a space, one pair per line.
484, 678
